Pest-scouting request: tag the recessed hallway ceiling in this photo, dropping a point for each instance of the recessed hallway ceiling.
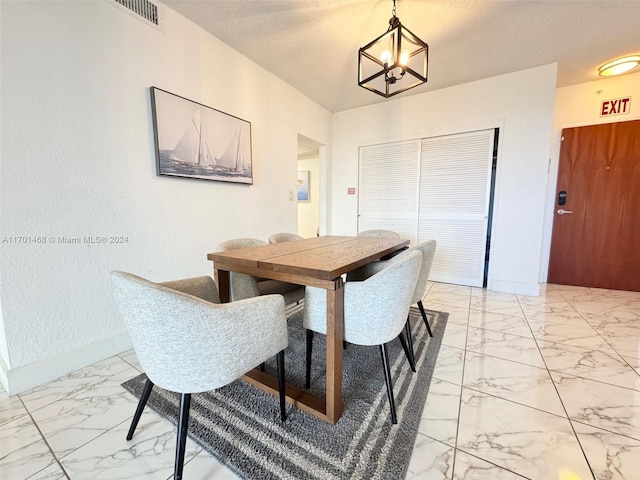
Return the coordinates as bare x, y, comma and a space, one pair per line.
313, 45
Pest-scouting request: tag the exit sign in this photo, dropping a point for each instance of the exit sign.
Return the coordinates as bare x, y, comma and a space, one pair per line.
616, 106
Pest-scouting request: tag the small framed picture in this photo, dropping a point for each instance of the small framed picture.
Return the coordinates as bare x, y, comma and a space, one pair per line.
303, 186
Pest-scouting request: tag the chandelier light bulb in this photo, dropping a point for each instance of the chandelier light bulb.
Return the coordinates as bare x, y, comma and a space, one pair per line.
404, 57
385, 57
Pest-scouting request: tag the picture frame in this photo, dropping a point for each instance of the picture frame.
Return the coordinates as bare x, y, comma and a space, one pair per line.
303, 186
193, 140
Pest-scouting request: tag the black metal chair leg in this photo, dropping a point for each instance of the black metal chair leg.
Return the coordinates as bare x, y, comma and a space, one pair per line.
407, 352
183, 425
424, 317
307, 378
407, 332
387, 377
141, 404
281, 385
262, 367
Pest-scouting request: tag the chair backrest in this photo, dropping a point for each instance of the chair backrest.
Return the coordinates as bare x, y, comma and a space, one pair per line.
242, 286
284, 237
428, 250
186, 344
201, 287
378, 233
376, 309
236, 243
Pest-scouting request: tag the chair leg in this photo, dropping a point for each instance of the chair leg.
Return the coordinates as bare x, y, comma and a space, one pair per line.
424, 317
183, 425
281, 385
262, 367
407, 352
141, 404
307, 378
407, 332
387, 377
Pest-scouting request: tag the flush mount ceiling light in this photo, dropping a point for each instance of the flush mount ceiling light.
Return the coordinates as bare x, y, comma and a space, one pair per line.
619, 66
394, 62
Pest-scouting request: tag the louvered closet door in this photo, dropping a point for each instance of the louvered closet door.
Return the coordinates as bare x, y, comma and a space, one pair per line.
388, 183
455, 174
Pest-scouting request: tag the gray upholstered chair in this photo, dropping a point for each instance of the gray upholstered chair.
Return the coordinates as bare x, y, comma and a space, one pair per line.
187, 342
378, 233
284, 237
383, 234
375, 311
428, 250
246, 286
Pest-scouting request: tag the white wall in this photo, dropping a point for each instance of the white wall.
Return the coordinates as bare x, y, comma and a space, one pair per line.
77, 160
580, 105
521, 105
309, 212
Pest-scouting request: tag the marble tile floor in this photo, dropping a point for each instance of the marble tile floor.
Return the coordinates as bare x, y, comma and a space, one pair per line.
541, 388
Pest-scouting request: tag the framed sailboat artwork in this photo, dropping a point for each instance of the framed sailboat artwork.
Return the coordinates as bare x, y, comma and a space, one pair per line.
196, 141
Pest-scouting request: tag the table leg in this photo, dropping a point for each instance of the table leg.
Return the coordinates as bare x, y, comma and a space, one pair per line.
222, 281
335, 336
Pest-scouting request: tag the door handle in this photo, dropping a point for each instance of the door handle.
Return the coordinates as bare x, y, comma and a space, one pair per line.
562, 211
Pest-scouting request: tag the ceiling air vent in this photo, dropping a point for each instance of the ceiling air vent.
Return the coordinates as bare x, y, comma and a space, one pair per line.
145, 10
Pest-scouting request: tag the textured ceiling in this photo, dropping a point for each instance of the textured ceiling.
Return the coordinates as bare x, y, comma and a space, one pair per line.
313, 44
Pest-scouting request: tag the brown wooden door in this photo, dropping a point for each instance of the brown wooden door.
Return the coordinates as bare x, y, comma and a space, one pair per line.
598, 245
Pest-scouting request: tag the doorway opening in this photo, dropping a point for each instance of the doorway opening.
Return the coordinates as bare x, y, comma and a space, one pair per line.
308, 191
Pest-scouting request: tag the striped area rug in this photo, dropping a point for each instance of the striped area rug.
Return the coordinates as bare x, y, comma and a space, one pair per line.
240, 425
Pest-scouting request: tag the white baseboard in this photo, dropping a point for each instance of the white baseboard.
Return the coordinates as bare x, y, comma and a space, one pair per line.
531, 289
21, 379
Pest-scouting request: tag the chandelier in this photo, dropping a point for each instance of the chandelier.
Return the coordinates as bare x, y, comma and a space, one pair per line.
394, 62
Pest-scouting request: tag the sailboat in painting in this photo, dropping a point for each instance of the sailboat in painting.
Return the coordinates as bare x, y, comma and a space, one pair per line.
193, 147
233, 157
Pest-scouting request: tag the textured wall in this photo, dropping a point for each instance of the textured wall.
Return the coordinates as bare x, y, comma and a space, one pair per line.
77, 160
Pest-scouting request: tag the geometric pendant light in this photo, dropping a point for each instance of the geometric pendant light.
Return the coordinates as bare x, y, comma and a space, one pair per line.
394, 62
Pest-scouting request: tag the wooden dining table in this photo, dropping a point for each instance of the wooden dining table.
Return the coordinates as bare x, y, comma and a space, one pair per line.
318, 262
